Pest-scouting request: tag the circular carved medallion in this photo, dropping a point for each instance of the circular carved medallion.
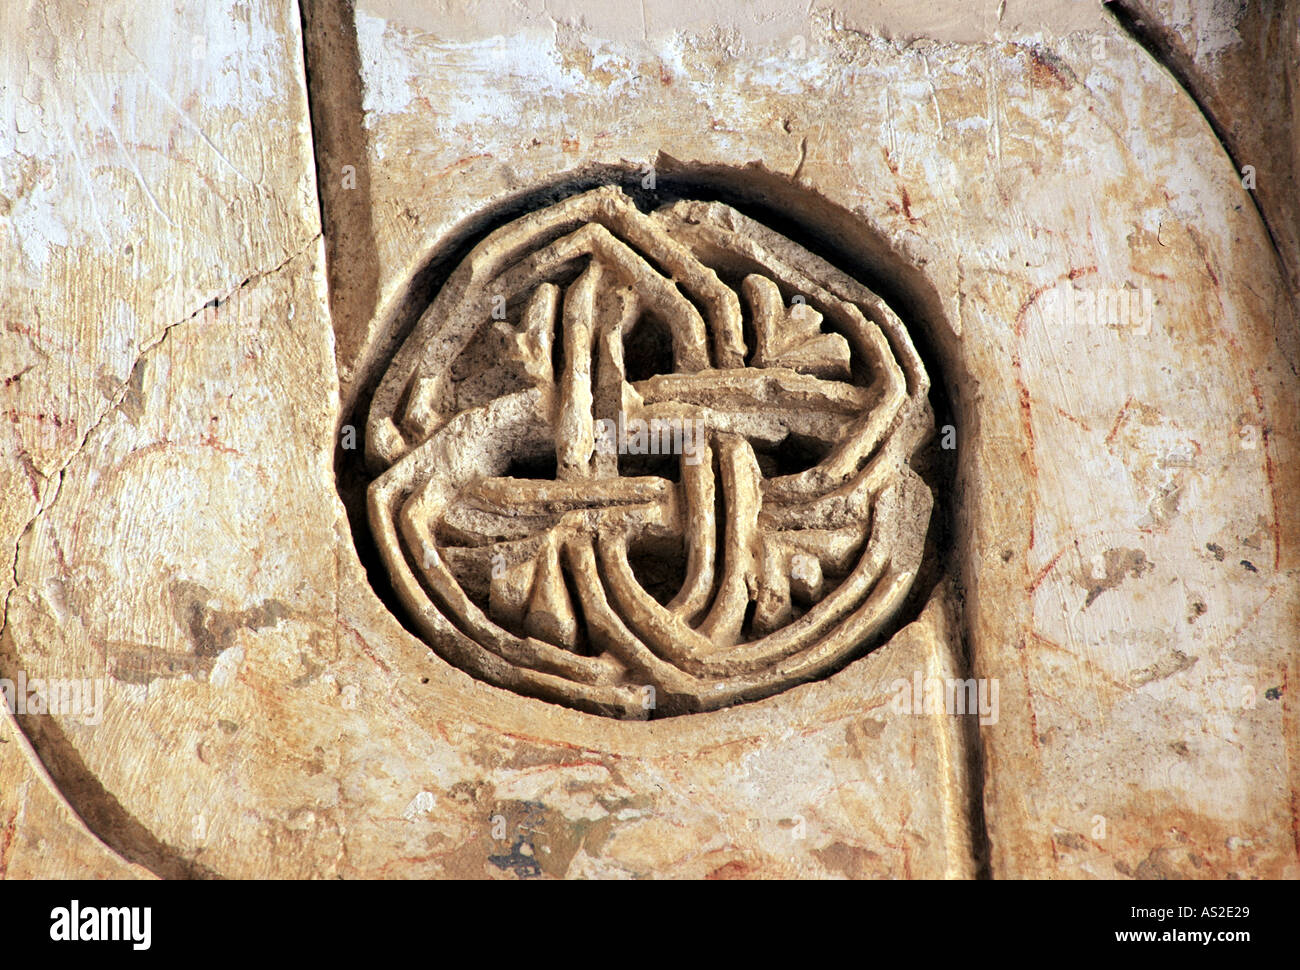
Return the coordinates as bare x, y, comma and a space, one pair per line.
651, 463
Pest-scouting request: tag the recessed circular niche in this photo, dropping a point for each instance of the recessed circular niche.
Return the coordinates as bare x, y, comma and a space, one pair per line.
649, 463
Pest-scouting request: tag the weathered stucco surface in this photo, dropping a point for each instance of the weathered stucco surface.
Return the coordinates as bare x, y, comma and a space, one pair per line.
181, 343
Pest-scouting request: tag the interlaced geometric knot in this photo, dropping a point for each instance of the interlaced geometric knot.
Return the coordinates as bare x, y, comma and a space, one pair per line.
649, 464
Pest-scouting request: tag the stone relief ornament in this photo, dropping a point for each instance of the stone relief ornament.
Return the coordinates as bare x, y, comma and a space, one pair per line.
648, 464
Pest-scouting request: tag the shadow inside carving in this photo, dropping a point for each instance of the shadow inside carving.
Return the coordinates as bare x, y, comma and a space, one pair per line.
795, 212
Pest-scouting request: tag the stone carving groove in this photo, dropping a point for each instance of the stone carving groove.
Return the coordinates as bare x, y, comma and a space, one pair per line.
649, 464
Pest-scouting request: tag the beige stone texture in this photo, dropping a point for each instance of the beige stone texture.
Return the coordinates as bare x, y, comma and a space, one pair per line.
1241, 64
1049, 213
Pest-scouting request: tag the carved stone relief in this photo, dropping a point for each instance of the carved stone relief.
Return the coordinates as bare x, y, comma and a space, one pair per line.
402, 489
655, 462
